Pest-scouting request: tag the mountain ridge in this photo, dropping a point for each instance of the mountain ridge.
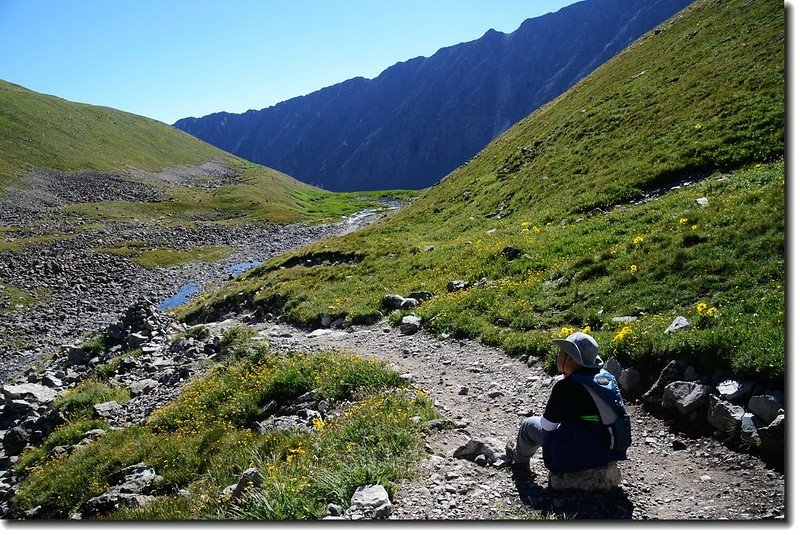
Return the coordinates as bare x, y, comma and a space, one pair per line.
421, 118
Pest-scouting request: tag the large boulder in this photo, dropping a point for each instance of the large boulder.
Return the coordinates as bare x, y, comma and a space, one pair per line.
773, 436
30, 392
670, 372
686, 397
725, 416
766, 406
630, 380
15, 440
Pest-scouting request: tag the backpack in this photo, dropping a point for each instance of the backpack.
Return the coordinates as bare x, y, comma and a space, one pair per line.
605, 393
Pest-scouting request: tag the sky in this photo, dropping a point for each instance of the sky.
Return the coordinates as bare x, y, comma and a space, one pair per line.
187, 58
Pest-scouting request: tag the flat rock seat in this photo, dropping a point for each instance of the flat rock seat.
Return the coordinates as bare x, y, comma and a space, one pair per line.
603, 478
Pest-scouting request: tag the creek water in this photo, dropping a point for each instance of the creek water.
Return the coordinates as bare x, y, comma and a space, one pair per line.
188, 290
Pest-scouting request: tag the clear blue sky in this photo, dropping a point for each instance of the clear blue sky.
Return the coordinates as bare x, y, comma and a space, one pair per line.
169, 59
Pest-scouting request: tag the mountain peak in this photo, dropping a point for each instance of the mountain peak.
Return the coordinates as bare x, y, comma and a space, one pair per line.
420, 119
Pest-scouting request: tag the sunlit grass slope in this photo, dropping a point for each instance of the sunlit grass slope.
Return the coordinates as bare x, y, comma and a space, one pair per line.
699, 103
202, 441
38, 130
43, 131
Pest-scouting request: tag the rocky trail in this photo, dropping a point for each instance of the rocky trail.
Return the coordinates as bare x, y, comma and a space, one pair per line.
669, 475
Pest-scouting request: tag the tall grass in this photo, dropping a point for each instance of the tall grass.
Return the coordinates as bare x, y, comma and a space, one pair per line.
202, 442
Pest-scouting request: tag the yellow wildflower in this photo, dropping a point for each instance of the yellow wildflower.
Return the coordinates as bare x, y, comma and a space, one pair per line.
634, 268
638, 239
587, 329
701, 308
565, 331
683, 221
623, 333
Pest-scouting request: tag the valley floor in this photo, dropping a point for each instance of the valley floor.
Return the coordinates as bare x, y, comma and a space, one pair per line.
58, 286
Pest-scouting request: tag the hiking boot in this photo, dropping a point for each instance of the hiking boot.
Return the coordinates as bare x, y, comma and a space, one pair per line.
516, 459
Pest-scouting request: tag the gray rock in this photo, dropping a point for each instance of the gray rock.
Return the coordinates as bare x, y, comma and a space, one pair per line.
670, 373
750, 425
29, 392
613, 367
392, 301
492, 449
735, 391
76, 354
115, 332
409, 303
766, 406
773, 438
15, 440
410, 324
334, 509
107, 410
290, 422
702, 201
457, 285
677, 324
724, 416
250, 479
421, 295
686, 397
109, 502
591, 480
135, 479
630, 380
142, 387
371, 501
136, 340
624, 319
51, 381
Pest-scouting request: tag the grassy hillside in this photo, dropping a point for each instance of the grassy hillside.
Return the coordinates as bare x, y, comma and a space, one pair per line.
588, 210
39, 130
43, 131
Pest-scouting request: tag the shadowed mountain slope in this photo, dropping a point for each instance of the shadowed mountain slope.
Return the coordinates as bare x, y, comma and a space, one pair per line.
422, 118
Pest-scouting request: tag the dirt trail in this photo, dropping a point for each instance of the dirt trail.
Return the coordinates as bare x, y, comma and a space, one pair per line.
669, 476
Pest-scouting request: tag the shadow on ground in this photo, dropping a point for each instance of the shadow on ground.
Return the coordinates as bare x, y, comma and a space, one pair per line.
578, 505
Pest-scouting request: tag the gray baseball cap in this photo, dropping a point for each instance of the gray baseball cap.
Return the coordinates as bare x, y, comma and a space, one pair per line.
582, 348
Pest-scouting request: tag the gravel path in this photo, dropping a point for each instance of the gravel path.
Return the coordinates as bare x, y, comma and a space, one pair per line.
669, 476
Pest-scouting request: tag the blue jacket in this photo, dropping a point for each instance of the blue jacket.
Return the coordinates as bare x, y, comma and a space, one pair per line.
579, 444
